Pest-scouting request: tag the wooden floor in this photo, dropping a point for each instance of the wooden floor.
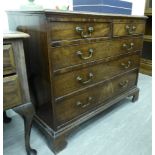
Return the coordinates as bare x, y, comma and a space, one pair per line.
124, 129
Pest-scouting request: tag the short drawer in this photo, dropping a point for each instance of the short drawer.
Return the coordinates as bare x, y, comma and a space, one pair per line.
8, 60
11, 92
75, 30
87, 101
75, 55
123, 29
126, 45
79, 79
123, 82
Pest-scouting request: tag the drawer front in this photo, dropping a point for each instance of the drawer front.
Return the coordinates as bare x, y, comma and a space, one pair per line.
11, 92
73, 55
8, 60
75, 30
79, 79
89, 100
79, 104
123, 82
123, 29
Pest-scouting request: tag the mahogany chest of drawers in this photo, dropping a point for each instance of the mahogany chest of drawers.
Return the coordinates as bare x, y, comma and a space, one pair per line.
78, 64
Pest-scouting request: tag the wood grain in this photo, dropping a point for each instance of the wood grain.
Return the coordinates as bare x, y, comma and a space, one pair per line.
67, 30
11, 91
120, 29
54, 69
9, 66
98, 95
109, 48
146, 66
68, 82
15, 85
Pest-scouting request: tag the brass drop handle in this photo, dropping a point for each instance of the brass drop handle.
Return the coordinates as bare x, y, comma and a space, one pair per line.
80, 54
128, 47
130, 29
82, 105
126, 66
90, 77
124, 83
81, 31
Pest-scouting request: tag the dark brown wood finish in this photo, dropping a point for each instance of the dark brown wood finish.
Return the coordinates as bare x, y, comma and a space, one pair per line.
78, 64
93, 96
80, 79
88, 53
27, 111
123, 29
74, 30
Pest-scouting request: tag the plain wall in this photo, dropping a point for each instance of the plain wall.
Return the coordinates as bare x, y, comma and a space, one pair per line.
137, 9
137, 6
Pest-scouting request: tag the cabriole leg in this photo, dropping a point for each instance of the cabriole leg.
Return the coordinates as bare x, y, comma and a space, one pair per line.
27, 112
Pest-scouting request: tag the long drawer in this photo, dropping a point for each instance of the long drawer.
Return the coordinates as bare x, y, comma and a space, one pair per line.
11, 92
8, 60
77, 30
93, 97
75, 55
82, 78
